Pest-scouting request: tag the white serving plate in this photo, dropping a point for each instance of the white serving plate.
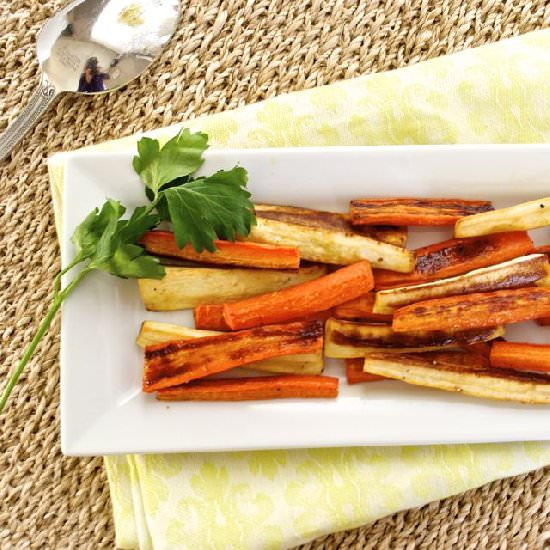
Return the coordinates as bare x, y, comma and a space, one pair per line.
102, 407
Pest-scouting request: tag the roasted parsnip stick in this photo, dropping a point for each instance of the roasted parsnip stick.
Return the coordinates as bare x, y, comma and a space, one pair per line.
334, 221
521, 217
478, 381
345, 339
519, 272
318, 244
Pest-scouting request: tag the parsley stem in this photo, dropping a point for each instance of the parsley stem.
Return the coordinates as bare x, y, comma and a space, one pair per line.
57, 280
58, 299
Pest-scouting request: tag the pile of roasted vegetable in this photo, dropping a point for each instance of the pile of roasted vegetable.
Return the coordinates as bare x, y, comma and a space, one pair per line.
306, 283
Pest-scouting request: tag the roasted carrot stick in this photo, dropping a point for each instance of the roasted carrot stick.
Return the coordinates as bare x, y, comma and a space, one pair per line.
528, 357
483, 349
414, 211
245, 389
179, 361
355, 373
519, 272
472, 311
361, 308
227, 253
457, 256
154, 332
210, 317
298, 301
543, 321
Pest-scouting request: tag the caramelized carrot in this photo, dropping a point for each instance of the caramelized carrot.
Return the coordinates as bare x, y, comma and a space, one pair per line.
179, 361
300, 300
361, 308
483, 349
519, 272
210, 317
457, 256
472, 311
414, 211
525, 357
245, 389
543, 321
227, 253
355, 374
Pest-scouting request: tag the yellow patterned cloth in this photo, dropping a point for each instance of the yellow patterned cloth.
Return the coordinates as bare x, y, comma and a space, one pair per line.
276, 499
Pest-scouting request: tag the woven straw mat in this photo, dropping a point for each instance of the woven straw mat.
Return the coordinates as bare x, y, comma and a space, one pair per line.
225, 54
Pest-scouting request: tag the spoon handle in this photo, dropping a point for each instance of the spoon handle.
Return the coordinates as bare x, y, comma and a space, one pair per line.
28, 117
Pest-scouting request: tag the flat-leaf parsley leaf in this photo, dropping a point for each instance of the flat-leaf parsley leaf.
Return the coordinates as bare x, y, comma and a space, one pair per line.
201, 209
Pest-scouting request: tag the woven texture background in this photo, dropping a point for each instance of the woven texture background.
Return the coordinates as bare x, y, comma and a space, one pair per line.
226, 53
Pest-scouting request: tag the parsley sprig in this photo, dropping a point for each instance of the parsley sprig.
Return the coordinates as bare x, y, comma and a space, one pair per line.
200, 209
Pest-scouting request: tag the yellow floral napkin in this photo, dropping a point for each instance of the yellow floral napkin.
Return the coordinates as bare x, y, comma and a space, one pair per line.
276, 499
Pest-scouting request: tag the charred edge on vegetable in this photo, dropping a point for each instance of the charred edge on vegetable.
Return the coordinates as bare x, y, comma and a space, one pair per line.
309, 333
480, 370
521, 274
466, 249
318, 218
441, 207
303, 216
161, 364
525, 273
493, 302
245, 388
403, 340
482, 349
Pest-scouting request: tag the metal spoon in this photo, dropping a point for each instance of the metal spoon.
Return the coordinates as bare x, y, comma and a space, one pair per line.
91, 47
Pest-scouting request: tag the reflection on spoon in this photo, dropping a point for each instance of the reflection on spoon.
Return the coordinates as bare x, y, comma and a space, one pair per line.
93, 46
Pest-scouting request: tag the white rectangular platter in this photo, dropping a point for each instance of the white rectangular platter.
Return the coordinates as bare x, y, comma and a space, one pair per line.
103, 410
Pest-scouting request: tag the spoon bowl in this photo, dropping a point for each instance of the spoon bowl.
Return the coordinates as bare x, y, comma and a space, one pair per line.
92, 47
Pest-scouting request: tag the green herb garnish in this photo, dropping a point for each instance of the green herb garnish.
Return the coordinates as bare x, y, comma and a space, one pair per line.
201, 209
